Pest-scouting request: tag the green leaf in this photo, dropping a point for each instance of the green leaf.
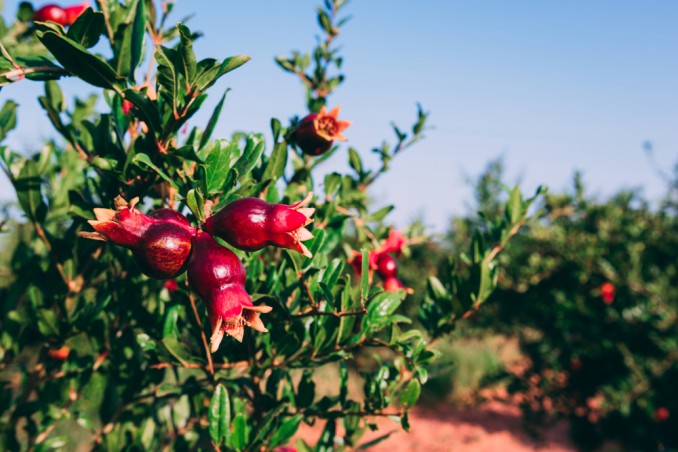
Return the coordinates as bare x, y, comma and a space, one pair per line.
28, 187
186, 54
380, 307
212, 121
167, 76
238, 439
24, 12
286, 431
137, 40
306, 390
276, 162
79, 62
364, 275
217, 166
170, 328
7, 118
48, 323
410, 393
355, 161
178, 350
251, 155
195, 201
87, 28
147, 109
220, 415
514, 206
142, 160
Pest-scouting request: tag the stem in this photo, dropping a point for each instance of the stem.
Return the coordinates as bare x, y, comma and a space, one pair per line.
21, 72
41, 233
210, 364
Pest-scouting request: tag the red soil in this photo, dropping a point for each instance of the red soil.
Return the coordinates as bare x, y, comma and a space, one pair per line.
492, 427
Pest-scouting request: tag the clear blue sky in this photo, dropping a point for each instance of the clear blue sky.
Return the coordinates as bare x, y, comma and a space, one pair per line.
552, 86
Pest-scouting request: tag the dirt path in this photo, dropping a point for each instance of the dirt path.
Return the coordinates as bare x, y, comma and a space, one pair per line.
493, 427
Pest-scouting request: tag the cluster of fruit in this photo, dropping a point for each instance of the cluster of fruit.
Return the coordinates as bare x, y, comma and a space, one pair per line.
165, 244
382, 261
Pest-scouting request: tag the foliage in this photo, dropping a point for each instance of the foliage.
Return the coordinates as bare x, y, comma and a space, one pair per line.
94, 352
605, 359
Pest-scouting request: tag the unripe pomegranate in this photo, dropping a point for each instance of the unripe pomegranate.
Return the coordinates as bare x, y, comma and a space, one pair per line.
160, 241
51, 13
218, 276
250, 224
608, 292
316, 132
386, 265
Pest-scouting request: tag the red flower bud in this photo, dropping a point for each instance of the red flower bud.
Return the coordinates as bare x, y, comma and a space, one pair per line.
316, 132
218, 276
607, 291
357, 261
160, 241
393, 284
51, 13
250, 224
126, 107
386, 265
59, 354
394, 243
73, 12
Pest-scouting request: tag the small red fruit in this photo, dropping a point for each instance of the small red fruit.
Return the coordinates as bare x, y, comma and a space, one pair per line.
171, 285
394, 243
393, 284
316, 132
386, 265
218, 276
575, 364
661, 414
126, 107
250, 224
608, 292
160, 241
51, 13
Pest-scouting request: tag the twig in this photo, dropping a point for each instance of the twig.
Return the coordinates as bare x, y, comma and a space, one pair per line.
210, 364
22, 72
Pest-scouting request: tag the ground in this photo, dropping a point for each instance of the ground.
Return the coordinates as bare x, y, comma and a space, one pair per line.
491, 427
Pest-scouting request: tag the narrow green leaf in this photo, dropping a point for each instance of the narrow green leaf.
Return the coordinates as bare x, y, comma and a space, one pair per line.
276, 162
142, 159
170, 328
212, 121
81, 63
251, 155
195, 202
7, 118
137, 41
87, 28
187, 56
220, 415
28, 187
286, 430
178, 350
364, 275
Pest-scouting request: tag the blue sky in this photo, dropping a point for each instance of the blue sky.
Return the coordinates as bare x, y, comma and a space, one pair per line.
552, 86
